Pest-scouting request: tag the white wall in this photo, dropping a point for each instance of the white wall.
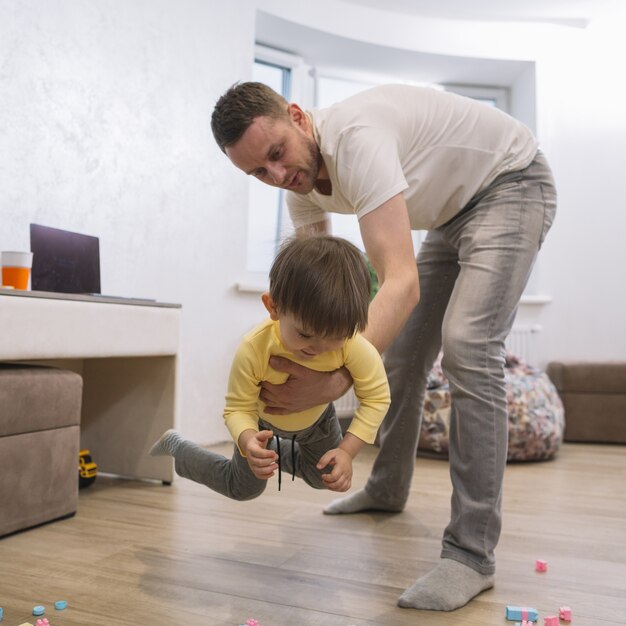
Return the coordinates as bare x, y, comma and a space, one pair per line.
582, 122
105, 129
104, 120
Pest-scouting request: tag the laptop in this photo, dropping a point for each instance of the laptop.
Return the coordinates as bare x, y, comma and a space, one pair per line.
63, 261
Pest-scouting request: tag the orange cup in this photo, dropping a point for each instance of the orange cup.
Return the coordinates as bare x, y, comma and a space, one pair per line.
16, 269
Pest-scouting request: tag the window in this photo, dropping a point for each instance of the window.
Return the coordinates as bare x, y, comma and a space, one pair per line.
494, 96
266, 213
328, 90
268, 219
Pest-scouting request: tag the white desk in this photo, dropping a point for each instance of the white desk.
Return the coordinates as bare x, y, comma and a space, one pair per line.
127, 354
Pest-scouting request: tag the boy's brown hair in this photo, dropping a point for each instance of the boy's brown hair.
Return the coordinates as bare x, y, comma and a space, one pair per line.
324, 282
239, 106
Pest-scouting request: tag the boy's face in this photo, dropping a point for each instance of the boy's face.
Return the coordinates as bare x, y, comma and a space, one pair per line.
297, 339
302, 343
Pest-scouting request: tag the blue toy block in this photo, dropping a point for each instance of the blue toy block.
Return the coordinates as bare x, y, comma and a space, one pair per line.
516, 613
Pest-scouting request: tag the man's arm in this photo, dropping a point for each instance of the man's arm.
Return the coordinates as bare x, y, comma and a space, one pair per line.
386, 233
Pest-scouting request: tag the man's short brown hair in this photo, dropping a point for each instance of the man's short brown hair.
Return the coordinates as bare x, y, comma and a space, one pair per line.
239, 106
324, 282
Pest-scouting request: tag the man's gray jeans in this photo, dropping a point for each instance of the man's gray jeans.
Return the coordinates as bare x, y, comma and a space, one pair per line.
473, 271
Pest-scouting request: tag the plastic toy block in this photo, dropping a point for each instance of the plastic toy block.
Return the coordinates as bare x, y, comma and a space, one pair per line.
42, 622
565, 613
523, 613
551, 620
60, 605
524, 623
39, 610
1, 611
541, 566
26, 624
252, 622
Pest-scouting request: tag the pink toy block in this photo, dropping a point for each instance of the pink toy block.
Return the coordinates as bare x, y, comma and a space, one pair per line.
565, 613
551, 620
42, 622
252, 622
541, 565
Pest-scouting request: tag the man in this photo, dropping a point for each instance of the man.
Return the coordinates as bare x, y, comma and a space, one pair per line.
402, 158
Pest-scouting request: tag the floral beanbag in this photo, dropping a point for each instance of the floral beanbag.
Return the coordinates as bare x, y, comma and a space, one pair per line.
536, 416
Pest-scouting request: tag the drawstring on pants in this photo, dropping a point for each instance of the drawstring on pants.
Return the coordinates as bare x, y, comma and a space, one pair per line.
293, 460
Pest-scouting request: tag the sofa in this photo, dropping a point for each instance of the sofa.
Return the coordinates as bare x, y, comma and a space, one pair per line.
39, 445
594, 397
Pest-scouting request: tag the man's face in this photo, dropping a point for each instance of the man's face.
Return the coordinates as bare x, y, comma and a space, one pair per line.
279, 153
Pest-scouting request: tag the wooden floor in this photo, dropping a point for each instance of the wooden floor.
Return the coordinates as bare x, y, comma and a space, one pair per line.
143, 554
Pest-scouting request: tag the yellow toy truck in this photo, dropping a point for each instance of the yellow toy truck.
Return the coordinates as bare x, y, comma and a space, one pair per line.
87, 469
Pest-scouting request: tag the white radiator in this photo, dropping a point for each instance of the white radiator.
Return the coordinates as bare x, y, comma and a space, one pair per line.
346, 405
520, 343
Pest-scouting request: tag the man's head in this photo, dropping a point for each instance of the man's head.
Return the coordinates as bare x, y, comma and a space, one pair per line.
238, 108
321, 285
266, 137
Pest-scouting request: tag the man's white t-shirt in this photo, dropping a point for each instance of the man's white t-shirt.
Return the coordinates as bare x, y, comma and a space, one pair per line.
437, 148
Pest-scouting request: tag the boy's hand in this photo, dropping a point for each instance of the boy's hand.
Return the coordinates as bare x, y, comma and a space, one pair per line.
262, 461
340, 478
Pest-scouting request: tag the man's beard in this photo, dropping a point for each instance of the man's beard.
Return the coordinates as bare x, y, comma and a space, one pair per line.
313, 163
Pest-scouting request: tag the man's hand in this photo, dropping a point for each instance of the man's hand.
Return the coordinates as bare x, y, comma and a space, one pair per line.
262, 461
340, 478
303, 389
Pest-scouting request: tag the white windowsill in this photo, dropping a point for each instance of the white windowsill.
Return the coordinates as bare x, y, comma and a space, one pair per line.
536, 299
253, 283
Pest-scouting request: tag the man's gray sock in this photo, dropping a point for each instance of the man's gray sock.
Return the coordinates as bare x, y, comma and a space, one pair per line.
447, 587
167, 443
357, 502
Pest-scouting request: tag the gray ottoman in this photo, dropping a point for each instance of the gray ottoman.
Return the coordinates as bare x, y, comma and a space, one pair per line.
39, 444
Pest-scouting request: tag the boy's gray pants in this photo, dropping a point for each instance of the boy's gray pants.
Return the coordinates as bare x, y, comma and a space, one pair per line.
472, 272
299, 454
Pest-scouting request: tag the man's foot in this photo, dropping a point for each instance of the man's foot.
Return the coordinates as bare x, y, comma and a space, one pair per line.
357, 502
449, 586
167, 443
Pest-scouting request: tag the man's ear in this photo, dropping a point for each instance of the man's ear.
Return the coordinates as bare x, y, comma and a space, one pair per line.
269, 305
297, 115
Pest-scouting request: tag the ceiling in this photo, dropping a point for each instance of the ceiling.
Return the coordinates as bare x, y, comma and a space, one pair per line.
576, 13
325, 50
